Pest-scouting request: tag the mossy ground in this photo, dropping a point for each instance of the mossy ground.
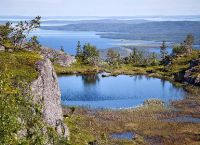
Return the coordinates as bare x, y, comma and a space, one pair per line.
178, 64
19, 65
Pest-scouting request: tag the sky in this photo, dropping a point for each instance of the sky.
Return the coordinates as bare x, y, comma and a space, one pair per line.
99, 7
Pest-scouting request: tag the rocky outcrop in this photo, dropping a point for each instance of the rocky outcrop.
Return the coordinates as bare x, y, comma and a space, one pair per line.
46, 92
58, 57
192, 76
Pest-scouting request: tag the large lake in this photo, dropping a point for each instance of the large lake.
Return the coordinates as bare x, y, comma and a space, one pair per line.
118, 92
68, 39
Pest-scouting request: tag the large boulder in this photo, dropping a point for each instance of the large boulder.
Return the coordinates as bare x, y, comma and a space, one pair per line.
46, 92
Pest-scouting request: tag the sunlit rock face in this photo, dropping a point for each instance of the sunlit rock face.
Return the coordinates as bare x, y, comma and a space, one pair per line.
46, 92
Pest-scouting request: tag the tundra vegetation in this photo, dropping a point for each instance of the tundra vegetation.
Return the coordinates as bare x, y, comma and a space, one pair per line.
148, 122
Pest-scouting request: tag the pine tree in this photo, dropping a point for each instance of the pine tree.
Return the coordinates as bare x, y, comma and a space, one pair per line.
90, 54
163, 50
78, 49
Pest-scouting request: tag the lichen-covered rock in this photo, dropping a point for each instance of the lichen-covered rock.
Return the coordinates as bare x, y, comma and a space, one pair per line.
46, 91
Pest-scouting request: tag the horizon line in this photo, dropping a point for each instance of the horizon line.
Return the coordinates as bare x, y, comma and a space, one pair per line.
98, 16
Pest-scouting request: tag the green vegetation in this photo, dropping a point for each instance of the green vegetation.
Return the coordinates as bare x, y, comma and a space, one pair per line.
163, 51
181, 63
14, 37
19, 65
78, 50
88, 54
21, 120
76, 68
16, 71
141, 58
186, 46
113, 58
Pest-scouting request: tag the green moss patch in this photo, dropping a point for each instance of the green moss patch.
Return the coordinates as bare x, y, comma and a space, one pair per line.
19, 66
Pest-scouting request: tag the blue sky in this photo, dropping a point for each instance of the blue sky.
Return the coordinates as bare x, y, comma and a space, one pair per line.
99, 7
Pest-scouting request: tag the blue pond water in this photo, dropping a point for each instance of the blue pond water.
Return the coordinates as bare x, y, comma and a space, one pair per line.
125, 135
118, 92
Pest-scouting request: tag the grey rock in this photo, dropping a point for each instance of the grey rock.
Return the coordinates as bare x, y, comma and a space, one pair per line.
46, 91
58, 57
2, 48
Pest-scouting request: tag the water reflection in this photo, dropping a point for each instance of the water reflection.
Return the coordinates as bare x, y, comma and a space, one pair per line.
163, 83
91, 79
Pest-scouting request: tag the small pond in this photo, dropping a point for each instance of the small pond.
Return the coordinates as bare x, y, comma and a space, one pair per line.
124, 135
120, 92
